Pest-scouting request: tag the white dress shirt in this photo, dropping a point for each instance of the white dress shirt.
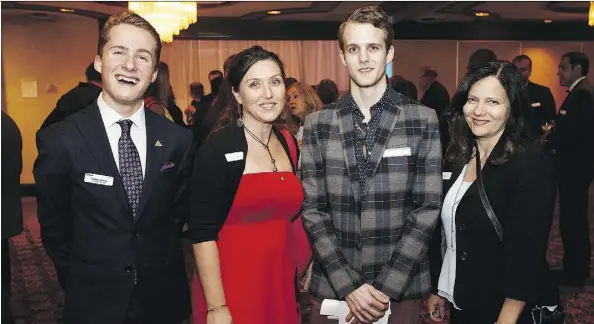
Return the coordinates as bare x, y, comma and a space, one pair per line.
114, 131
575, 83
447, 277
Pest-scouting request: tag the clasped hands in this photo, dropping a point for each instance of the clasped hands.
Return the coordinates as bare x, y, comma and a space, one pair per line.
366, 305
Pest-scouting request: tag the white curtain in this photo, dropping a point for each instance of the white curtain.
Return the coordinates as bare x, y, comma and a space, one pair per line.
307, 61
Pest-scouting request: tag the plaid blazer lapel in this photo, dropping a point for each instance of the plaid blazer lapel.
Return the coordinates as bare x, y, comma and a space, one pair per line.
347, 131
389, 118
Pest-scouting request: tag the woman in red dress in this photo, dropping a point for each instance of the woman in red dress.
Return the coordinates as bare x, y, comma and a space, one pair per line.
249, 242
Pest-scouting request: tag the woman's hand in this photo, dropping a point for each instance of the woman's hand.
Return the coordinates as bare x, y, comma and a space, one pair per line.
436, 307
219, 316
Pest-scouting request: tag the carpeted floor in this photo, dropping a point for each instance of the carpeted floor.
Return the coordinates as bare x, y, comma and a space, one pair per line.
38, 299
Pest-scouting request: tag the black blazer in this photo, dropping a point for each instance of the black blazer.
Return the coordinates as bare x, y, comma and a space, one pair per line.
522, 194
12, 165
574, 129
542, 101
436, 97
215, 181
88, 229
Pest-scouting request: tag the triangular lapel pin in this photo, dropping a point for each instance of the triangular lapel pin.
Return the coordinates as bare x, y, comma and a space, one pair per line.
158, 143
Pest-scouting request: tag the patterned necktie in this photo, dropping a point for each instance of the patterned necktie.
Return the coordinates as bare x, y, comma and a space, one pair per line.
130, 167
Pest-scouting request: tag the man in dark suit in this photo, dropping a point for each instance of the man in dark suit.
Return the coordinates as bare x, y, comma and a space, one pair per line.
371, 172
112, 192
12, 210
435, 95
76, 99
573, 141
541, 99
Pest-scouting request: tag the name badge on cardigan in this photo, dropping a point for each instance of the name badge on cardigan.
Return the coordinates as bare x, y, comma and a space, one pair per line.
535, 104
237, 156
562, 112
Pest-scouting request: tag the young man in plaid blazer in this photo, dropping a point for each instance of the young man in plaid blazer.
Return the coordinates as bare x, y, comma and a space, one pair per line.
371, 171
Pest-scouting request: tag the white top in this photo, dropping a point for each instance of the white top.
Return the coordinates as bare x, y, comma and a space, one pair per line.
447, 277
137, 132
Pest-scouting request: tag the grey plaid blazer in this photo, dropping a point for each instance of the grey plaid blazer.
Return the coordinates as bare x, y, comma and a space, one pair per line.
379, 237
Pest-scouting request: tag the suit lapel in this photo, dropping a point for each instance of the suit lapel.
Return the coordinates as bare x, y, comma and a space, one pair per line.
154, 159
346, 127
93, 133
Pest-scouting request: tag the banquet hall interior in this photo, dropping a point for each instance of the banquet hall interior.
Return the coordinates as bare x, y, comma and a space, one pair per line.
47, 46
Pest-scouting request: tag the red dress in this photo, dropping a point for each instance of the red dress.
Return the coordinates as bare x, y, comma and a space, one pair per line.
256, 243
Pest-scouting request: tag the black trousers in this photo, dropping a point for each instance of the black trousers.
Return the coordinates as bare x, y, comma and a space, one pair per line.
573, 187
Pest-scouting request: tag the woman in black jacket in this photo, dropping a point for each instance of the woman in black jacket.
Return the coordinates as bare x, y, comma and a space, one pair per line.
487, 273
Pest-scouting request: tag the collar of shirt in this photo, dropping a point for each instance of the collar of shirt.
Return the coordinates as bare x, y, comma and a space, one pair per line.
377, 107
573, 85
111, 117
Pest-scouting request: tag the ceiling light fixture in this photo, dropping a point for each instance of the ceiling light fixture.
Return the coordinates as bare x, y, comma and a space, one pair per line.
548, 21
168, 18
274, 12
481, 14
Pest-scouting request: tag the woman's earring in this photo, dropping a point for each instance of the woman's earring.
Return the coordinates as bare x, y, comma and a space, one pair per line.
239, 120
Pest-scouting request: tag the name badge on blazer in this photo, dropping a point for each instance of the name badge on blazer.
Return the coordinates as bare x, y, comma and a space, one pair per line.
237, 156
446, 175
535, 104
562, 112
99, 179
398, 151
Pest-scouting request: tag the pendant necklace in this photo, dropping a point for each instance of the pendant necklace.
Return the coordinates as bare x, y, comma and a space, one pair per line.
266, 146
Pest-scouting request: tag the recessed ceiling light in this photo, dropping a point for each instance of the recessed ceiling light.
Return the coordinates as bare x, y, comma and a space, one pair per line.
274, 12
481, 14
548, 21
66, 10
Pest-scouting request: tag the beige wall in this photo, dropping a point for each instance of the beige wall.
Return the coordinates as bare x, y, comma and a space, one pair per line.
54, 53
451, 57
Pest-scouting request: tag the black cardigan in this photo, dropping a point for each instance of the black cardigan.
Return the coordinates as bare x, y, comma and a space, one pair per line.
522, 194
215, 181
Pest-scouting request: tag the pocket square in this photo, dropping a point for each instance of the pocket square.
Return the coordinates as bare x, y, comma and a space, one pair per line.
167, 166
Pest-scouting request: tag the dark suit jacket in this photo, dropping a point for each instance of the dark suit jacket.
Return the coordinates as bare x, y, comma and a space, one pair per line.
574, 129
12, 165
522, 194
436, 97
88, 229
74, 100
542, 101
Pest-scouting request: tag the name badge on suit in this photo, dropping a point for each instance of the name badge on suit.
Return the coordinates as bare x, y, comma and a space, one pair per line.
99, 179
397, 151
535, 104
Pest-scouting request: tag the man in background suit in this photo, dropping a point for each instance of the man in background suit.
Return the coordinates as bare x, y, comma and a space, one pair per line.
371, 172
541, 98
112, 192
76, 99
12, 210
435, 95
573, 141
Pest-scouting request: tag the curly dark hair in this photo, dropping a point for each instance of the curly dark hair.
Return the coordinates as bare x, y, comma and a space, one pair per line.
515, 134
238, 68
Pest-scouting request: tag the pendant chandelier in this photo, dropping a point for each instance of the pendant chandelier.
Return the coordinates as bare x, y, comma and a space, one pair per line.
168, 18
